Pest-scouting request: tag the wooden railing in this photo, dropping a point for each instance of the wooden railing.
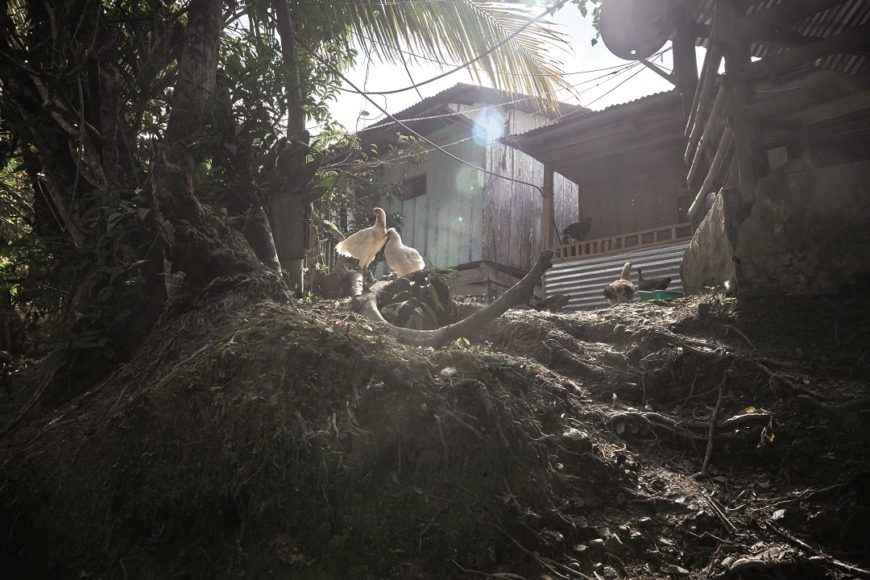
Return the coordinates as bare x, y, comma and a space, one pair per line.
623, 242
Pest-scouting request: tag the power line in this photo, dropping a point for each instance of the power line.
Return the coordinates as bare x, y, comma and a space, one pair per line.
412, 131
617, 86
365, 83
507, 73
551, 10
613, 74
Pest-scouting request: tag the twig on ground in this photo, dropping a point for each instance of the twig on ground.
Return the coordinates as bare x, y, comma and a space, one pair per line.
742, 335
505, 575
713, 419
441, 436
547, 563
465, 424
817, 551
720, 513
788, 381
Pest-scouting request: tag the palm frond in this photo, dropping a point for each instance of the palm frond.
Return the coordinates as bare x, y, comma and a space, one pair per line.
458, 31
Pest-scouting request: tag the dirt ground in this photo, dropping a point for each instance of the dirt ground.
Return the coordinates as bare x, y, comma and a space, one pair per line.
700, 438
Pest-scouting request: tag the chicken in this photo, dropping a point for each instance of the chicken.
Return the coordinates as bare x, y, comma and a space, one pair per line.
553, 303
365, 244
621, 290
401, 259
578, 231
647, 284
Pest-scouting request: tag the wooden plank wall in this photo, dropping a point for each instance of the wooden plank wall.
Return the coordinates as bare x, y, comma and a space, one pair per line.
445, 224
632, 192
468, 216
512, 211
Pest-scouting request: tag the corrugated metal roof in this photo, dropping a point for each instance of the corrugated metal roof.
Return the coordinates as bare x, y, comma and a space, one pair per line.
585, 116
824, 24
585, 280
465, 93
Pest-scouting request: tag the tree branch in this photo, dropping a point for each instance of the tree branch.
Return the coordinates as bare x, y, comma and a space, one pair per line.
520, 293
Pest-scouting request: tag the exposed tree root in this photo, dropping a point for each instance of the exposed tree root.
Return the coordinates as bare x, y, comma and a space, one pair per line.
520, 293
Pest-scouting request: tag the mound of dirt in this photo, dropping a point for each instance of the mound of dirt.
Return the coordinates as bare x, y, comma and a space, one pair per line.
265, 440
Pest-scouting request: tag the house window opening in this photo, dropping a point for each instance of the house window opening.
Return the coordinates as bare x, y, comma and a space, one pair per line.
414, 187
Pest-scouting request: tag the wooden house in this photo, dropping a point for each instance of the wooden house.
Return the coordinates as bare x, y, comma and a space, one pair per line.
774, 144
779, 131
628, 163
484, 225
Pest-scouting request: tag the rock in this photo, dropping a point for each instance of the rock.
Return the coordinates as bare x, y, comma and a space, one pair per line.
613, 545
576, 440
678, 570
596, 545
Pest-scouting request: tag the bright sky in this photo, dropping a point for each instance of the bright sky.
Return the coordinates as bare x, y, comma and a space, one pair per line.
597, 89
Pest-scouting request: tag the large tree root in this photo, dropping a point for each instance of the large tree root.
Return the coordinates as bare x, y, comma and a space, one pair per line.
367, 304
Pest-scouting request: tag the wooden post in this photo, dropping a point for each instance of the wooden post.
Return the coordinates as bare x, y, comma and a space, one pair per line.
549, 212
685, 64
737, 62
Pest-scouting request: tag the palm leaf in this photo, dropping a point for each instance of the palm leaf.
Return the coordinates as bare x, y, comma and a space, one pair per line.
458, 31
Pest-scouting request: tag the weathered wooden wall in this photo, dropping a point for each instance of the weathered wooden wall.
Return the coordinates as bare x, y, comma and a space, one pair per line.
629, 192
512, 211
627, 160
444, 225
467, 216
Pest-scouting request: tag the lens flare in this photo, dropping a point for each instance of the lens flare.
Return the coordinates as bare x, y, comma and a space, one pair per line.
488, 127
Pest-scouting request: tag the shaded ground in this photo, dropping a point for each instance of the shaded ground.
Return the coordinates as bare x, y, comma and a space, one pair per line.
265, 441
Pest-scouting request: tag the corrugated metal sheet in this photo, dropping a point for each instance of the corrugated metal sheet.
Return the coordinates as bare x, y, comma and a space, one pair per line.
824, 24
468, 94
584, 280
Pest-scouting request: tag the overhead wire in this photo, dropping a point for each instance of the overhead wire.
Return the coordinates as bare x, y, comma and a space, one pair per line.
551, 10
394, 160
610, 91
359, 115
609, 76
467, 64
423, 138
508, 73
412, 131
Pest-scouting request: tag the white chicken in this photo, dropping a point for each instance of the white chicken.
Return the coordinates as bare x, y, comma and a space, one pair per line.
365, 244
401, 259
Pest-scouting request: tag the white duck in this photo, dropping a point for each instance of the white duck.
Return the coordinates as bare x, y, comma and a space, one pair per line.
401, 259
365, 244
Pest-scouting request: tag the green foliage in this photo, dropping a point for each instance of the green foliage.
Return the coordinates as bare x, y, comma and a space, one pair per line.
86, 97
421, 301
591, 8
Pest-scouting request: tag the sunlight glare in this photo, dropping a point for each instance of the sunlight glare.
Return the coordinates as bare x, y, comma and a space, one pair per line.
488, 127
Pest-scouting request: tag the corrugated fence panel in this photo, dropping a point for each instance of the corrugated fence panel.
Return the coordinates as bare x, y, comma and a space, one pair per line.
585, 280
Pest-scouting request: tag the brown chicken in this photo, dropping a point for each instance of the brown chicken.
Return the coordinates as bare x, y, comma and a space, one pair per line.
649, 284
577, 231
621, 290
553, 303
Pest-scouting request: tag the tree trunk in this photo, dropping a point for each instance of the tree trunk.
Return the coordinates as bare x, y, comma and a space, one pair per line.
288, 208
198, 242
